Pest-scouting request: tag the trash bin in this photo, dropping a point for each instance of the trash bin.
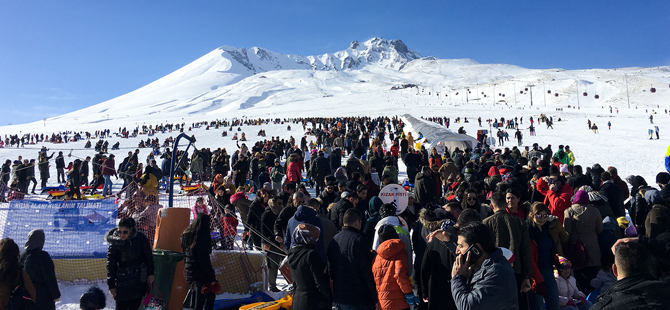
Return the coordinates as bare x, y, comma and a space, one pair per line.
165, 263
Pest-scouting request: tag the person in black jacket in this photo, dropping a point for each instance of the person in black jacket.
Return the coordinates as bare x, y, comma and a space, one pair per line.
39, 266
429, 220
335, 159
290, 206
198, 272
6, 169
578, 179
336, 213
637, 205
31, 175
635, 287
378, 163
328, 195
23, 176
350, 265
411, 161
312, 284
44, 168
270, 245
424, 188
438, 259
60, 166
613, 194
253, 227
75, 180
321, 170
595, 173
130, 265
83, 171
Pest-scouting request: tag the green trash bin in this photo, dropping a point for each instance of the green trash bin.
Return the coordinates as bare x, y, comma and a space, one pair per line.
165, 263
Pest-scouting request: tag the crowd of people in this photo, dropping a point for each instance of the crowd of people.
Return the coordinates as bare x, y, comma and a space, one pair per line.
484, 228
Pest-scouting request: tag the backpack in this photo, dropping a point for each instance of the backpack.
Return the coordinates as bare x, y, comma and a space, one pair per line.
561, 154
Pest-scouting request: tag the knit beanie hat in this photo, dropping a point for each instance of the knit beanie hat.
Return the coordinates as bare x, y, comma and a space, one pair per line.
663, 178
387, 232
581, 198
306, 234
564, 263
623, 222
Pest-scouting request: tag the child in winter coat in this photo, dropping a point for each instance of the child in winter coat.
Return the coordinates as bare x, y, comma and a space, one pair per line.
569, 296
229, 222
605, 278
199, 207
390, 266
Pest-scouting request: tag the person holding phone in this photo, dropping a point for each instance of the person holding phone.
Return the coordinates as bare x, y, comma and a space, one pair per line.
492, 286
557, 193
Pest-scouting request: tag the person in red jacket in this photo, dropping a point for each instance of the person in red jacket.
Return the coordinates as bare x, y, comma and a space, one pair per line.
293, 171
557, 194
395, 149
435, 159
107, 170
390, 270
229, 222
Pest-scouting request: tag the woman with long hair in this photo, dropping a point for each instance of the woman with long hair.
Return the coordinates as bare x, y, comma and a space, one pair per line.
197, 244
75, 178
130, 264
11, 272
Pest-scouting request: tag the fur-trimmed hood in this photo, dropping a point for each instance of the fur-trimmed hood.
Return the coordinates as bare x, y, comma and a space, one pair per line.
430, 224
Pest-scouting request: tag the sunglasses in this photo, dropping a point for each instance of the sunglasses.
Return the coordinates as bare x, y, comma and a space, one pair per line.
541, 216
123, 232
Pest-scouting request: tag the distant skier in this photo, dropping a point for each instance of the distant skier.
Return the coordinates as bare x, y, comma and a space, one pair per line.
651, 119
656, 130
651, 134
595, 128
589, 122
609, 125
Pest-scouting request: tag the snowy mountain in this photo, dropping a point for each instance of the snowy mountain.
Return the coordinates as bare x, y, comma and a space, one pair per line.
235, 82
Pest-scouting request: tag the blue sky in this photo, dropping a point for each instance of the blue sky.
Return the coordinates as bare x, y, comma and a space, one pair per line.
60, 56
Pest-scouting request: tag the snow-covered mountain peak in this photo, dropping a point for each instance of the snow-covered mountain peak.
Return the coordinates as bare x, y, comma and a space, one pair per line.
376, 51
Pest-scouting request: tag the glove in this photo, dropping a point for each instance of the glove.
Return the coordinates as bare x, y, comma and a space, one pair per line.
411, 299
206, 288
582, 299
541, 289
571, 303
216, 287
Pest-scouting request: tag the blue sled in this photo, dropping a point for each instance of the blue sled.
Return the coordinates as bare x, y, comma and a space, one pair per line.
53, 188
236, 303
